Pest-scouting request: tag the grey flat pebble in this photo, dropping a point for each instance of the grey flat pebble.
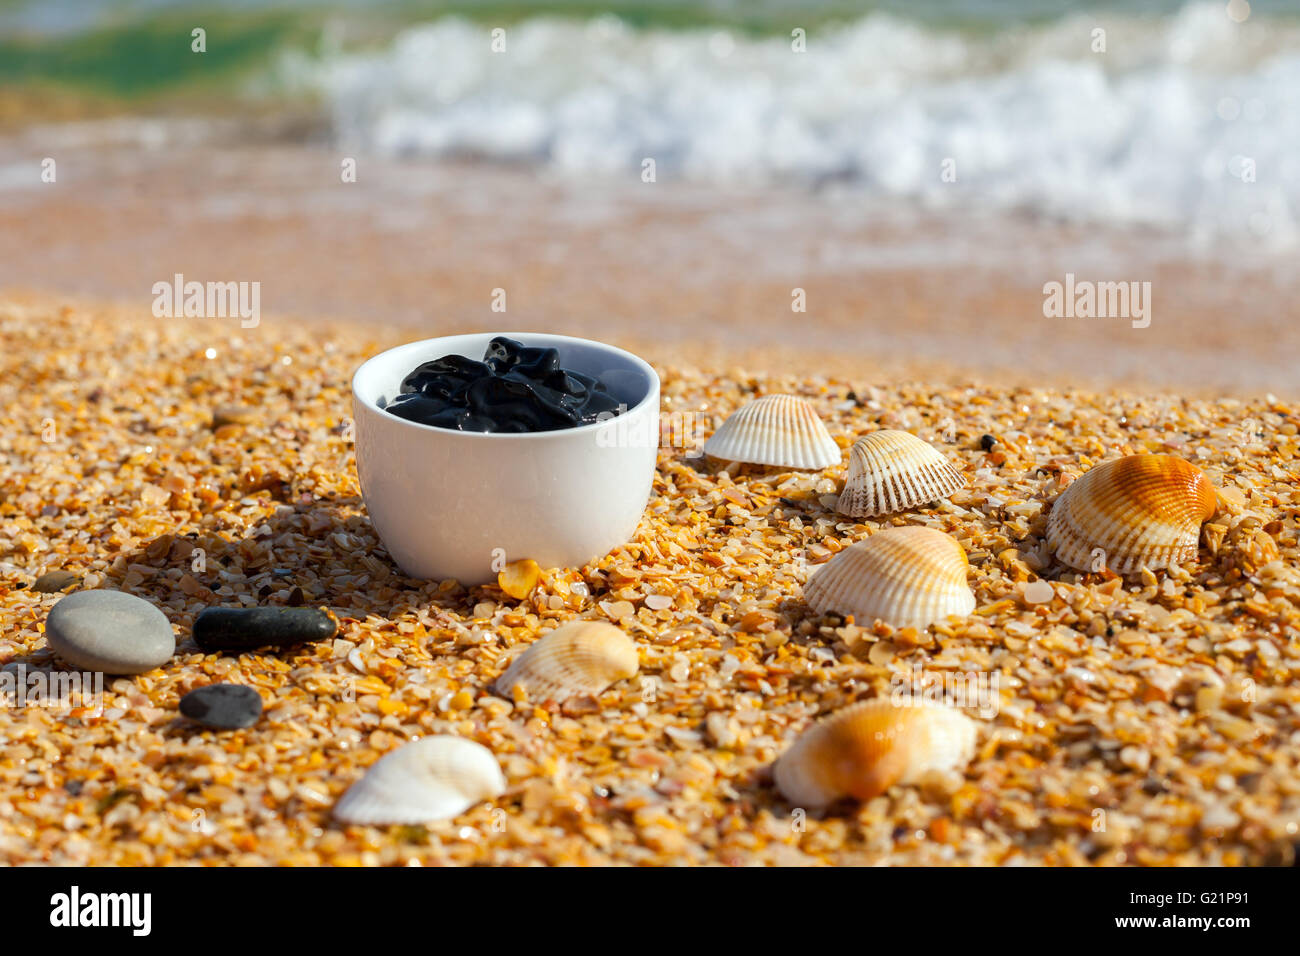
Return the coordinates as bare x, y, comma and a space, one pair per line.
109, 631
223, 706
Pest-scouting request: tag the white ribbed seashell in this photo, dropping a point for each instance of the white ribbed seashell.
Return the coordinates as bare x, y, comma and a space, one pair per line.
1130, 513
779, 430
868, 747
892, 471
907, 577
578, 658
429, 779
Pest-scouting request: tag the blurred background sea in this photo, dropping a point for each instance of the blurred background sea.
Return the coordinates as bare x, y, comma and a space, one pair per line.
1173, 157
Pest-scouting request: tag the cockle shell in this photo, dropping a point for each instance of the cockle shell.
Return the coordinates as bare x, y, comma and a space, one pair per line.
1134, 512
907, 577
868, 747
779, 430
578, 658
892, 471
428, 779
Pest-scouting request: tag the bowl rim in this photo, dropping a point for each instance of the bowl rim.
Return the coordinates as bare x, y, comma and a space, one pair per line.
652, 392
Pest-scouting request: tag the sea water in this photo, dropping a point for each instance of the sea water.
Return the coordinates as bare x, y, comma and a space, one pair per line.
1145, 113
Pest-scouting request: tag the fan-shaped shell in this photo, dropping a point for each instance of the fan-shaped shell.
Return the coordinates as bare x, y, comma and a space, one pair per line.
907, 577
892, 471
429, 779
779, 430
868, 747
1134, 512
581, 657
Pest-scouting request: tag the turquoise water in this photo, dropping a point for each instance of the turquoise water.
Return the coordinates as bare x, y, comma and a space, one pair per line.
132, 48
1186, 118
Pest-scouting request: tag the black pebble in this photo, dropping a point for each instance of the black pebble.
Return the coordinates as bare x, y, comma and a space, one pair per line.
248, 628
516, 388
223, 706
987, 442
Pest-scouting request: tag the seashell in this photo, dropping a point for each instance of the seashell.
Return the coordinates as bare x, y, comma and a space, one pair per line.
892, 471
868, 747
518, 578
581, 657
779, 430
1134, 512
428, 779
907, 577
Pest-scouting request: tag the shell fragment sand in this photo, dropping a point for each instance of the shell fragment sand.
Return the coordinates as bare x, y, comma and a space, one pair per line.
1159, 666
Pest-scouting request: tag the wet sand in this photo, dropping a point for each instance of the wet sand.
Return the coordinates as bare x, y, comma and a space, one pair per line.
677, 271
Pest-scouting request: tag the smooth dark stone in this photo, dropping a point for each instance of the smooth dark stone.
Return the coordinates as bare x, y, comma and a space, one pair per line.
223, 706
516, 388
248, 628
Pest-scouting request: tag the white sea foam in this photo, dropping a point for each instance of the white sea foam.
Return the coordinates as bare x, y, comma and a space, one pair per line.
1161, 130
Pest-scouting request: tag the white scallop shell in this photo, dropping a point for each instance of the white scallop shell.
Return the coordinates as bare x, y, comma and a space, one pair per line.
779, 430
581, 657
893, 471
907, 577
868, 747
429, 779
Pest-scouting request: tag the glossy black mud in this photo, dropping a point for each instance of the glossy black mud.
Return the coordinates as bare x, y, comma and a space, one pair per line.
515, 388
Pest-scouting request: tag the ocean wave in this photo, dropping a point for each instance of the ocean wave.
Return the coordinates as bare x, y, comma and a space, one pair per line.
1187, 122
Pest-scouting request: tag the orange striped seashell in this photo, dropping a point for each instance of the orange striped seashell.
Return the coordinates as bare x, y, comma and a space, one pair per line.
892, 471
1134, 512
778, 430
907, 577
868, 747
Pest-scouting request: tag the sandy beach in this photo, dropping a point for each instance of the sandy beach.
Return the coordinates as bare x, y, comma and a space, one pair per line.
1165, 703
1037, 241
701, 274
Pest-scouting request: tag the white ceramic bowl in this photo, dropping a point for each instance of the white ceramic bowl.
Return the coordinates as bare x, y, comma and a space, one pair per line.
451, 504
